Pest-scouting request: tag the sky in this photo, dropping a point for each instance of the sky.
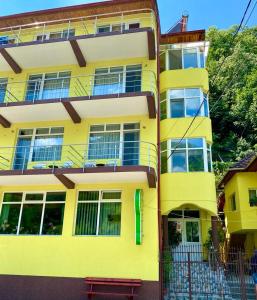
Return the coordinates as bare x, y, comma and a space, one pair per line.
202, 13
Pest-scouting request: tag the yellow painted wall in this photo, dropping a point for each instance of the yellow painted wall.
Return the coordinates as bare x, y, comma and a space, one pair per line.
176, 127
81, 256
184, 78
245, 217
85, 76
197, 188
79, 134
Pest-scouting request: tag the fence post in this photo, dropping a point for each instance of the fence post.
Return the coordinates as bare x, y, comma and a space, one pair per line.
242, 277
189, 276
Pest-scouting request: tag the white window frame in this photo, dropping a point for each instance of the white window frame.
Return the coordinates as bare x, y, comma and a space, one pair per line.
167, 61
43, 80
48, 33
99, 201
123, 72
123, 25
205, 157
24, 201
201, 112
34, 135
121, 132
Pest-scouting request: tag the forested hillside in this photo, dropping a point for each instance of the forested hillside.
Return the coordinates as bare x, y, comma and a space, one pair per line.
233, 94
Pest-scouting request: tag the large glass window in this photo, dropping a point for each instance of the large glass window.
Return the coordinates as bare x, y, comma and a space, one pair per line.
98, 213
182, 103
38, 144
3, 87
115, 141
116, 80
188, 155
32, 213
117, 27
178, 56
48, 86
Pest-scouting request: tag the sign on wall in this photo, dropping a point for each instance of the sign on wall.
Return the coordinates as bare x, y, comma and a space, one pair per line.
138, 215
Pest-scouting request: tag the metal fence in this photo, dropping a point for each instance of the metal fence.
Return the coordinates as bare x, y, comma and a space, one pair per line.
62, 85
84, 25
197, 275
90, 155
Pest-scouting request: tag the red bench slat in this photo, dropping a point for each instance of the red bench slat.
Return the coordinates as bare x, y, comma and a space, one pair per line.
112, 294
114, 283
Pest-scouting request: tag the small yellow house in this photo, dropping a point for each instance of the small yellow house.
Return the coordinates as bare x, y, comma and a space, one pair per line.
239, 203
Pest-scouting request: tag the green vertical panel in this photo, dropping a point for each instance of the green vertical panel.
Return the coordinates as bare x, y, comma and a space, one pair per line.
138, 216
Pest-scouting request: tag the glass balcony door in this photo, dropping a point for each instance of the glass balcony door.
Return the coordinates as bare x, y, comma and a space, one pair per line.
48, 86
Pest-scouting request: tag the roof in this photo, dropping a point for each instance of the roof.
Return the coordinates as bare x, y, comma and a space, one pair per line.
74, 11
183, 37
247, 164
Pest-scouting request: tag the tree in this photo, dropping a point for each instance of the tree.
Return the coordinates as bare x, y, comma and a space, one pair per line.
234, 115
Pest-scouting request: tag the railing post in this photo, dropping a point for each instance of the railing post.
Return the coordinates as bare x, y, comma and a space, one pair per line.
54, 156
68, 31
242, 277
189, 276
44, 28
149, 157
24, 158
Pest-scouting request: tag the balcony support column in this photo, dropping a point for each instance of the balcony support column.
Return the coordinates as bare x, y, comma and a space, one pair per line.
78, 53
65, 181
72, 112
5, 123
11, 62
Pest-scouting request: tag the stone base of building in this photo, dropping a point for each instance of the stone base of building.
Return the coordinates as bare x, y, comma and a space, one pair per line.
14, 287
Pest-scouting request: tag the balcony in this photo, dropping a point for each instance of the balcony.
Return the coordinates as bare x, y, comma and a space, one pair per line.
79, 40
59, 96
108, 162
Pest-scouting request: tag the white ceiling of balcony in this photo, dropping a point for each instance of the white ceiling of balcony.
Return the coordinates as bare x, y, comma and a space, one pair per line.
85, 108
99, 48
82, 178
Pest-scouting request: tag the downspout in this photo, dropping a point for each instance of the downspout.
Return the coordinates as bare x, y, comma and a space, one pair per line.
158, 34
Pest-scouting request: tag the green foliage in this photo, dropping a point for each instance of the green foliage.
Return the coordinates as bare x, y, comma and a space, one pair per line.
221, 235
234, 117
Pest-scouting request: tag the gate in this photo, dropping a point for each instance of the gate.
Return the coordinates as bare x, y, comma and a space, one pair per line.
213, 276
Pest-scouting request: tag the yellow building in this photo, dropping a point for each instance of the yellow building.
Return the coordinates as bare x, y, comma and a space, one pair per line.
94, 174
187, 181
239, 204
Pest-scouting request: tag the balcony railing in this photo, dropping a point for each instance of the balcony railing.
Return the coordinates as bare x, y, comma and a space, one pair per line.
66, 28
78, 86
112, 154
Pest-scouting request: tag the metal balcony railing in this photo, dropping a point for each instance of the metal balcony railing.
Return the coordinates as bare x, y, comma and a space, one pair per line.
76, 86
131, 153
66, 28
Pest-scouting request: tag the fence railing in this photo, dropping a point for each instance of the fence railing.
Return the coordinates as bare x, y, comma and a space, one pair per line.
40, 87
203, 275
131, 153
66, 28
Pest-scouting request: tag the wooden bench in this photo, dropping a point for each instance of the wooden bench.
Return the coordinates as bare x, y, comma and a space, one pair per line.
112, 287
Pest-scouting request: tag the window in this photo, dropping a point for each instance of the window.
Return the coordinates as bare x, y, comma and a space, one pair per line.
48, 86
115, 80
32, 213
179, 57
66, 33
184, 103
38, 144
4, 40
98, 213
3, 87
188, 155
117, 27
253, 197
233, 202
115, 141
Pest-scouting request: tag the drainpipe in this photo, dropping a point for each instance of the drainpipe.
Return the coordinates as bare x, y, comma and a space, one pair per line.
158, 34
